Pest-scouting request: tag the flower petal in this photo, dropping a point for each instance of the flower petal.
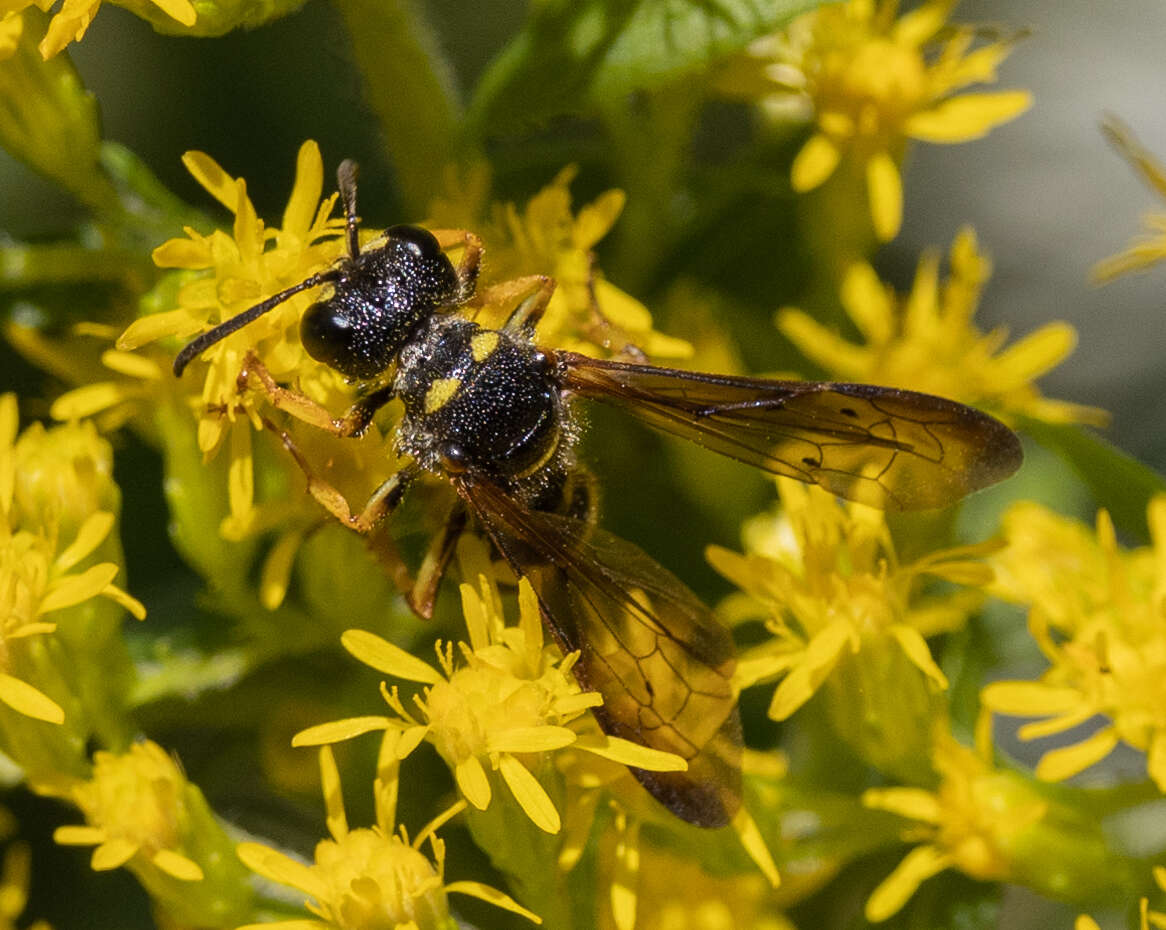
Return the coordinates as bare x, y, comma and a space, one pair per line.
625, 875
531, 739
1029, 698
1058, 764
626, 752
212, 177
272, 864
917, 866
87, 400
337, 731
472, 782
335, 816
1039, 351
147, 329
78, 835
915, 646
275, 576
95, 528
177, 865
754, 843
24, 698
490, 896
382, 655
113, 854
180, 10
912, 803
306, 190
968, 116
530, 795
885, 189
131, 604
76, 589
815, 664
814, 163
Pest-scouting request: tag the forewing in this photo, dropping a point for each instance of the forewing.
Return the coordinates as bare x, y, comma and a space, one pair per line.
647, 644
899, 450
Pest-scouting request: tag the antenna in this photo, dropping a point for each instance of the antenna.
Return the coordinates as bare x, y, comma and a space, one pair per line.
224, 329
346, 181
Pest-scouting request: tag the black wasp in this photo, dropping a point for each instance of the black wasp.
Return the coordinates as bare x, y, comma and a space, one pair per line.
491, 412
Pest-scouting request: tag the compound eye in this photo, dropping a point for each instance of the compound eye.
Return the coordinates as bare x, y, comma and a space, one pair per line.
327, 334
420, 241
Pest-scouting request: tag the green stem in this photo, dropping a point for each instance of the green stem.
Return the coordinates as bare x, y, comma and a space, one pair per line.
411, 87
650, 136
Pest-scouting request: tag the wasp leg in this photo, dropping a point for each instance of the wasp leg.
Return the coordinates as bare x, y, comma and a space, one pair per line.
354, 422
424, 589
471, 263
600, 330
525, 317
531, 293
382, 502
369, 521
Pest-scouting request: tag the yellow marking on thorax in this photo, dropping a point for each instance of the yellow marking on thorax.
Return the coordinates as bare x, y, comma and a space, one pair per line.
440, 392
483, 345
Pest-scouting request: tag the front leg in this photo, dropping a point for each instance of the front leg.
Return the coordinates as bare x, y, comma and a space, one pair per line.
354, 422
382, 502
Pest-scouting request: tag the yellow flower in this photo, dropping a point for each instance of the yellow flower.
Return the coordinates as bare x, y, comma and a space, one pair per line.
651, 888
827, 581
1099, 615
251, 263
14, 882
224, 276
135, 806
643, 886
870, 82
511, 701
371, 878
974, 821
1150, 247
927, 341
71, 21
587, 313
47, 487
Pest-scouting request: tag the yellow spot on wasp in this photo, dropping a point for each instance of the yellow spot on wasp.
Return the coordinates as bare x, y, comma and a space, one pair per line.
482, 345
439, 393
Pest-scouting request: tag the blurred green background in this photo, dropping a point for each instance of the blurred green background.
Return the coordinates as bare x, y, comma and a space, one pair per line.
1047, 197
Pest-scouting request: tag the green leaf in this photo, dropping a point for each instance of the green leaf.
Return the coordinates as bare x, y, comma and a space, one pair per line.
575, 56
1119, 483
412, 89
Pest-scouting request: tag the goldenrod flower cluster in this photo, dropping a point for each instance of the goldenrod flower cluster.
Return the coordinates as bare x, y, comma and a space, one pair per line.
931, 706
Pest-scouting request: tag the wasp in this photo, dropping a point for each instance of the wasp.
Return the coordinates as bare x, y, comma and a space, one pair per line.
492, 412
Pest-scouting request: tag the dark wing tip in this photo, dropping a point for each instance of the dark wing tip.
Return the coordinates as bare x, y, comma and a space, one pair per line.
709, 793
1000, 455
